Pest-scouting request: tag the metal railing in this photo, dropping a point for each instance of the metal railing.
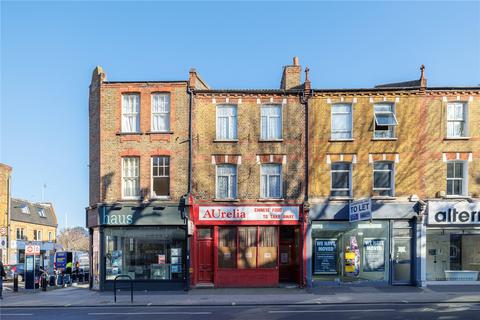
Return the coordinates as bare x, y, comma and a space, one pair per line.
115, 286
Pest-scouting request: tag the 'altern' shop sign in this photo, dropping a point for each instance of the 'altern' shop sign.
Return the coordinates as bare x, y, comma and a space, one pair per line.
453, 213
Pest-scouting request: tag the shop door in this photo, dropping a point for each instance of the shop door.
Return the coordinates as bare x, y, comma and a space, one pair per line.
402, 261
205, 255
288, 270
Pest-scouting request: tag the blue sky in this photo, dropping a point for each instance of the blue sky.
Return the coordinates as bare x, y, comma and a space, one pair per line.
49, 49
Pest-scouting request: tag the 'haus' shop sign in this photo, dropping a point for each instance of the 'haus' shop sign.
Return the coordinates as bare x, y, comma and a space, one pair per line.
237, 213
452, 213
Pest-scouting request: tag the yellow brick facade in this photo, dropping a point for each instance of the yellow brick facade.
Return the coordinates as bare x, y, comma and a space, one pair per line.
417, 149
249, 147
5, 173
48, 233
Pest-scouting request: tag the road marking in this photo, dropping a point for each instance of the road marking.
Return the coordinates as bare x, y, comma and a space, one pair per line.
146, 313
327, 311
17, 314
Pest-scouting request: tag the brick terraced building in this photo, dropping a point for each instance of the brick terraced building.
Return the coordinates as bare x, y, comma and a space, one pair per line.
192, 185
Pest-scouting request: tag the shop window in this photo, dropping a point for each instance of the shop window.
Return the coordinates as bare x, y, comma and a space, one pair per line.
160, 112
457, 120
226, 181
145, 253
247, 253
227, 247
268, 247
385, 120
226, 122
204, 233
341, 177
341, 121
452, 254
271, 122
383, 179
271, 181
130, 113
456, 178
160, 176
130, 178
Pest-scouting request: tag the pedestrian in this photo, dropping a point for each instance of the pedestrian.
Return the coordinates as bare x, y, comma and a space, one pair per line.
2, 275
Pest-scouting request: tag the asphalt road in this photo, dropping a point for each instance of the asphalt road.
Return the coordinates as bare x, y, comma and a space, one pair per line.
323, 312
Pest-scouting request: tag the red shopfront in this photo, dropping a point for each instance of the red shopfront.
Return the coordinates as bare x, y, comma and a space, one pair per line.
247, 245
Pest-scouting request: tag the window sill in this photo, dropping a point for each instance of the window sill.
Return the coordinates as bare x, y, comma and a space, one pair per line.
383, 198
159, 132
225, 200
341, 140
270, 199
456, 138
161, 198
131, 198
225, 141
129, 133
340, 198
457, 197
384, 139
270, 140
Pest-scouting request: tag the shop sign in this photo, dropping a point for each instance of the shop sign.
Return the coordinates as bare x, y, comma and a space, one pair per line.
325, 256
265, 213
374, 255
360, 210
32, 249
117, 219
453, 213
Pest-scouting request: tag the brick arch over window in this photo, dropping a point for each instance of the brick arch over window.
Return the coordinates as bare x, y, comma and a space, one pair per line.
272, 158
226, 159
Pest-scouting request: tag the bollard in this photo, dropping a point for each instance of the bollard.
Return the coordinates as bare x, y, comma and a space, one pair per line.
43, 282
15, 282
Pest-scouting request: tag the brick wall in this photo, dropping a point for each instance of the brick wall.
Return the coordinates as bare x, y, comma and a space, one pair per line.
110, 145
251, 151
417, 149
5, 173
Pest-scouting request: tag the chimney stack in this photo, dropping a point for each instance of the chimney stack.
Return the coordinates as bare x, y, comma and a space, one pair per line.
291, 77
423, 80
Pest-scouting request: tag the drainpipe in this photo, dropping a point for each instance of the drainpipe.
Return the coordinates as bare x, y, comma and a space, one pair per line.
188, 196
306, 274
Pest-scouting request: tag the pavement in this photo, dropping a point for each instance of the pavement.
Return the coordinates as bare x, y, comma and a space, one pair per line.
81, 296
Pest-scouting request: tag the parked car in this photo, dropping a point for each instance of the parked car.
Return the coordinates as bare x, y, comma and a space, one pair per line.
11, 269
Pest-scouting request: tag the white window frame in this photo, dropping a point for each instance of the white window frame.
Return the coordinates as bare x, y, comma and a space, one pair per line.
349, 179
392, 180
464, 179
152, 194
331, 121
391, 132
267, 187
166, 112
232, 123
25, 209
464, 119
137, 197
268, 117
135, 114
231, 194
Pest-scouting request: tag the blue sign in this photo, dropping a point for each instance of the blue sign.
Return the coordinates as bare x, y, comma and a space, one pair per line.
360, 210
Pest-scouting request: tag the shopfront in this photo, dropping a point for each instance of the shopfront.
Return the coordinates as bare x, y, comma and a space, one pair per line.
377, 251
453, 242
247, 246
145, 243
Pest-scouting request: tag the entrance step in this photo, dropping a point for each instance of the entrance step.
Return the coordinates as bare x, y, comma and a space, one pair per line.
204, 286
288, 285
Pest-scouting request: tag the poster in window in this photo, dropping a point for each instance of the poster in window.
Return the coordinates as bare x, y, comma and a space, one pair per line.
176, 251
176, 260
373, 255
325, 256
161, 259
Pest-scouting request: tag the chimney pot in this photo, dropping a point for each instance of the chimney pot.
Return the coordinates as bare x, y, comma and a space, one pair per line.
295, 61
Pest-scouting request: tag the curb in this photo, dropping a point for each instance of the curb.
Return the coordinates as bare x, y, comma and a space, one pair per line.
235, 304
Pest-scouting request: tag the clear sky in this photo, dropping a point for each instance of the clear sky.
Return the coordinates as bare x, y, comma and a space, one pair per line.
49, 49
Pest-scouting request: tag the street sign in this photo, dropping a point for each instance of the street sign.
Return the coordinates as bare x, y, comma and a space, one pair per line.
29, 249
36, 249
360, 210
3, 231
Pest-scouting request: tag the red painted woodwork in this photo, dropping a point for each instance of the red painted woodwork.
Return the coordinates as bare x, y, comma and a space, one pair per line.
205, 260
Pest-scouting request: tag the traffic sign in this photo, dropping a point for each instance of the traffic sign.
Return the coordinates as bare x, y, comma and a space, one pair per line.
29, 249
3, 231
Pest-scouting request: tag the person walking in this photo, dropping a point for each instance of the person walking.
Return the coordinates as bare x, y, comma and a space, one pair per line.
2, 275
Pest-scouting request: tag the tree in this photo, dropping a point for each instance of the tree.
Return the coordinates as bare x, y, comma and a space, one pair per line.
74, 239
